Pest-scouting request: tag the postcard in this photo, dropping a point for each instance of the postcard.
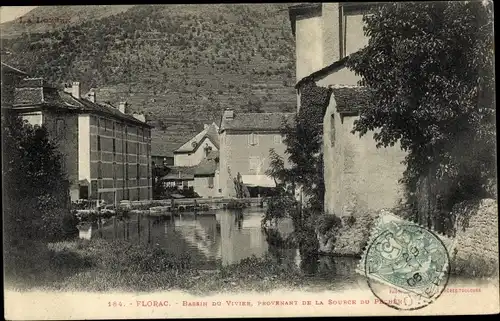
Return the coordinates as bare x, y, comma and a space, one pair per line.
249, 160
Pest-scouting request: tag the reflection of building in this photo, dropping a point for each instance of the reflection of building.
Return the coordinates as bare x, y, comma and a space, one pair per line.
241, 237
358, 173
106, 152
201, 232
246, 140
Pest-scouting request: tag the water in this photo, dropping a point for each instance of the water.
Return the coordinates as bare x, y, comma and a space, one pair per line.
220, 237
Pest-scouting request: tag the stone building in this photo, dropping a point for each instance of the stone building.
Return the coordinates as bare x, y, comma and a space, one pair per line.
106, 152
357, 174
196, 164
245, 142
197, 148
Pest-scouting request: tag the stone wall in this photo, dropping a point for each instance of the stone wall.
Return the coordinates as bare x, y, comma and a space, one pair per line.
476, 249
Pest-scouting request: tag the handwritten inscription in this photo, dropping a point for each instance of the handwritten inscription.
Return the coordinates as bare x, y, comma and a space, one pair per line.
51, 20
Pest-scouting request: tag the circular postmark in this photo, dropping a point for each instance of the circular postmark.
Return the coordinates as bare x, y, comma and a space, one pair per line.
407, 267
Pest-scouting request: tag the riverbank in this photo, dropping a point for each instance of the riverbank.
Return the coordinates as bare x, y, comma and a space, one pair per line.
100, 265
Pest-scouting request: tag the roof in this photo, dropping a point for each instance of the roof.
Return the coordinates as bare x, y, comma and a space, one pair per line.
211, 132
323, 71
161, 144
11, 70
301, 9
256, 121
35, 92
351, 100
206, 167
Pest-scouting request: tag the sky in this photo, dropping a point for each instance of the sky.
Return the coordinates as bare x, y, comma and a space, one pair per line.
8, 13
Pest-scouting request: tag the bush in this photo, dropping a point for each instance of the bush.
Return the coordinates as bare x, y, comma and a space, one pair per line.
327, 222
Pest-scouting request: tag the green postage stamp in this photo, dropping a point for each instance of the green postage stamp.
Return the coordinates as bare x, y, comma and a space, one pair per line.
406, 265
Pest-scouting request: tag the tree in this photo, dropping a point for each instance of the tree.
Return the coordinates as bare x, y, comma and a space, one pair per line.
35, 193
430, 69
303, 140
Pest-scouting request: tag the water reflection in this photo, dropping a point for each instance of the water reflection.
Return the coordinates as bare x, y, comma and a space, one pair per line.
223, 237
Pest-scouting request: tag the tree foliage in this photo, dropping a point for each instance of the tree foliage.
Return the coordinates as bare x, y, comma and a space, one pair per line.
35, 193
303, 140
430, 66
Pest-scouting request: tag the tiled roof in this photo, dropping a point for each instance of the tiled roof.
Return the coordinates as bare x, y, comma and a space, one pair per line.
37, 92
206, 167
212, 133
256, 121
180, 173
32, 82
350, 100
323, 71
11, 70
161, 144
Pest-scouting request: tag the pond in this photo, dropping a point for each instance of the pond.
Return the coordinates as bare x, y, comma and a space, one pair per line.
220, 237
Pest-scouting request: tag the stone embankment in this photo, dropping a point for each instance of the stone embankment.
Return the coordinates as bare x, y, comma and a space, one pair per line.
476, 238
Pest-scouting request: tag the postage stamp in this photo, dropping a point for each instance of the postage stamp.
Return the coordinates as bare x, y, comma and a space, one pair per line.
406, 265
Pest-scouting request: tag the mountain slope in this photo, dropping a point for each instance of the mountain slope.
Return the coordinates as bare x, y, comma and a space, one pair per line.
173, 62
50, 18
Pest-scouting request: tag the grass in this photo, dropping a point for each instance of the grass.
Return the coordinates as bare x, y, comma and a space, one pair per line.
100, 265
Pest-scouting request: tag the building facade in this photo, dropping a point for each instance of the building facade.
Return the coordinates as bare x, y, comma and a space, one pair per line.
196, 164
245, 143
106, 152
357, 174
197, 148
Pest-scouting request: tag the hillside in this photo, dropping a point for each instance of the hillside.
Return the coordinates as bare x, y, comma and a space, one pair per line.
50, 18
174, 62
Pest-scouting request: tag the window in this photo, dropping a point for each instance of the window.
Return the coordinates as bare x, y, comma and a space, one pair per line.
114, 173
138, 148
138, 171
114, 147
332, 130
148, 171
254, 163
114, 129
98, 143
99, 170
253, 139
138, 193
126, 172
277, 139
210, 182
60, 127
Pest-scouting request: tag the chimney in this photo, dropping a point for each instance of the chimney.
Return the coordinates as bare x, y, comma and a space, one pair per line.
228, 114
75, 92
122, 107
140, 117
91, 96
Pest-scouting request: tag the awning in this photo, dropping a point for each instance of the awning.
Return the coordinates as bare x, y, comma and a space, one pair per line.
258, 180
